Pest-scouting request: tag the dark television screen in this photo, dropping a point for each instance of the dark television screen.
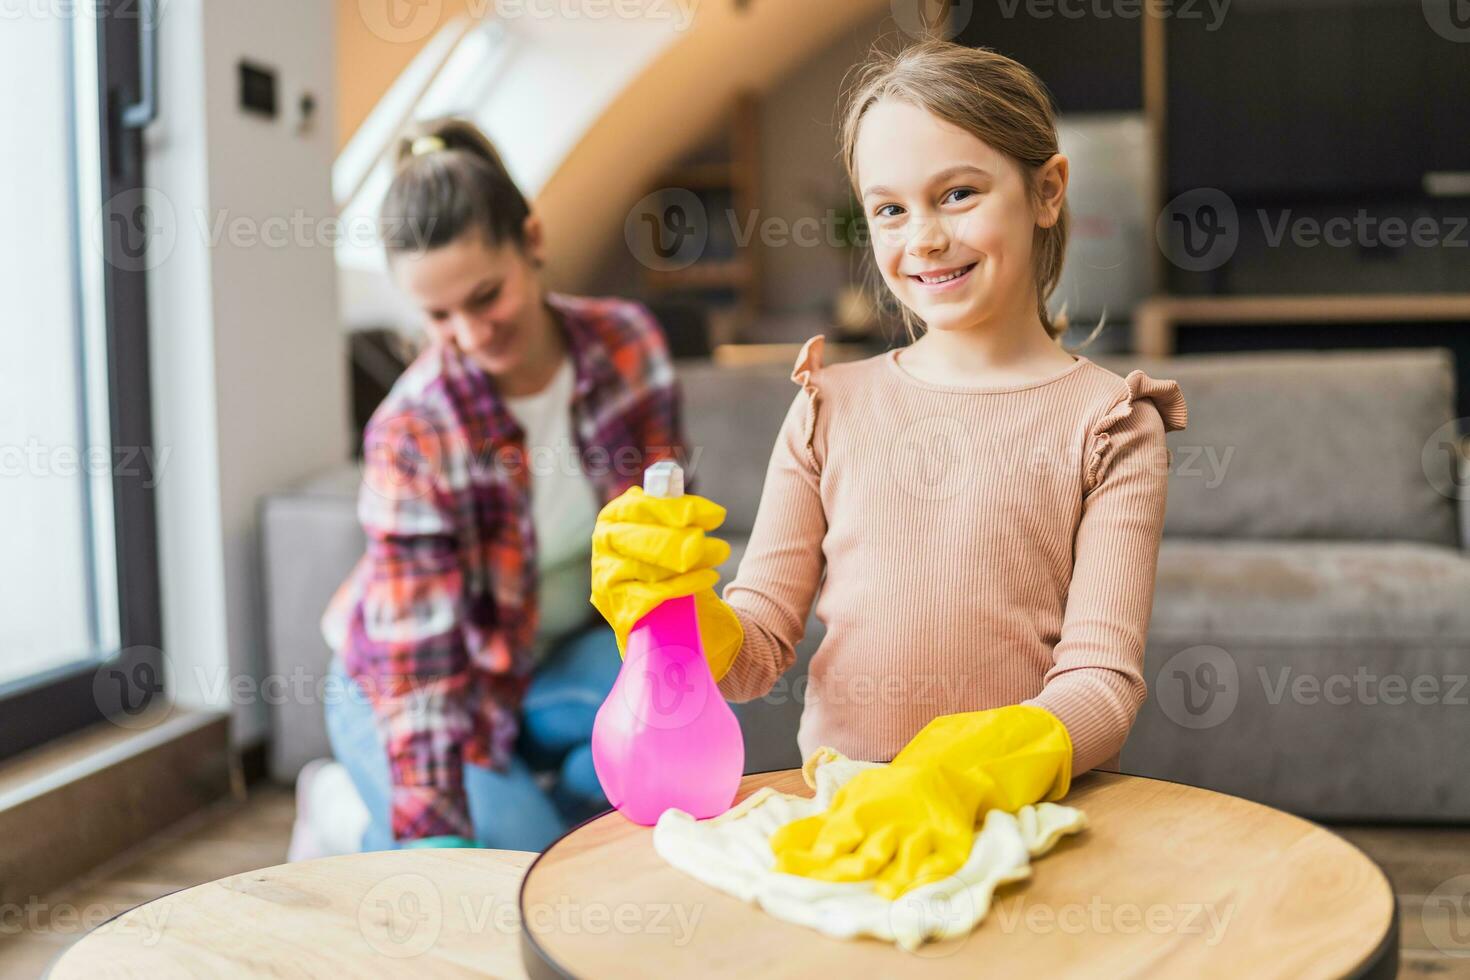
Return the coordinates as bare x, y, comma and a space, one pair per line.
1296, 100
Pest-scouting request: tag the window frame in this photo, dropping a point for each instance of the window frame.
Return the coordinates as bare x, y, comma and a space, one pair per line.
66, 699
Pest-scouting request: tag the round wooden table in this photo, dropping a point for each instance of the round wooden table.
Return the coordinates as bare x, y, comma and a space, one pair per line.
1168, 880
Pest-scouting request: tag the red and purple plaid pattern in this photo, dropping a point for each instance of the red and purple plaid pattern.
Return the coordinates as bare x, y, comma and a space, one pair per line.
436, 620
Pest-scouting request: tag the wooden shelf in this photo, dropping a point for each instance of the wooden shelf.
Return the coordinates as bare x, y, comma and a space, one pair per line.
784, 355
1157, 319
740, 176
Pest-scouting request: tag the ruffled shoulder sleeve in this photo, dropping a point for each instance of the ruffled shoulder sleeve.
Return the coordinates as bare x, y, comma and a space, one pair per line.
806, 373
1109, 430
808, 363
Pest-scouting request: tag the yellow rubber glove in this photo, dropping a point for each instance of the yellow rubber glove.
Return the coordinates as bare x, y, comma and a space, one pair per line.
647, 549
913, 821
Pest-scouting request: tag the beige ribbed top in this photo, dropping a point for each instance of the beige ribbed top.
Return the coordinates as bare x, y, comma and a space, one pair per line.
981, 547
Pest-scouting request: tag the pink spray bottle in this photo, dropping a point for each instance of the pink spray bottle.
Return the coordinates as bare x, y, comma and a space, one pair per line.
665, 736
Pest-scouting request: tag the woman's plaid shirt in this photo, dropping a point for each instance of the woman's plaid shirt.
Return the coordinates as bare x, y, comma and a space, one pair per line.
436, 620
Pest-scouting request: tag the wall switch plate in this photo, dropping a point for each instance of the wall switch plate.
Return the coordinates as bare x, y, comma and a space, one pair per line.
258, 89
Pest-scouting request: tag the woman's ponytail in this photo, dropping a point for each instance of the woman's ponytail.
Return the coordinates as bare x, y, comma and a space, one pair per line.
449, 180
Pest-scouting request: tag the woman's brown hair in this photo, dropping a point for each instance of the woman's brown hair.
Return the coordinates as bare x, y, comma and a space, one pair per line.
994, 98
449, 180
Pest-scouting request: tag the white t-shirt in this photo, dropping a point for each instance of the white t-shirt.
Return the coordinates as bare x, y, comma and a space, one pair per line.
564, 507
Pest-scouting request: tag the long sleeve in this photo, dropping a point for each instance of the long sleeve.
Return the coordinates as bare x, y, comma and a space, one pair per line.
1096, 684
407, 648
778, 576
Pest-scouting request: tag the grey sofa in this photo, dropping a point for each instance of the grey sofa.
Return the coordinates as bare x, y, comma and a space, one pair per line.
1311, 629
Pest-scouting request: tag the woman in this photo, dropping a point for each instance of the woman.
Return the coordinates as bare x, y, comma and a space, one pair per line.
470, 657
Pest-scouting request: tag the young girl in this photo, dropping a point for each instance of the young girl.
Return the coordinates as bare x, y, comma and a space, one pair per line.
985, 506
466, 645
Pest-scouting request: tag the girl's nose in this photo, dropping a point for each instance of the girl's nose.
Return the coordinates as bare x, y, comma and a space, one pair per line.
929, 237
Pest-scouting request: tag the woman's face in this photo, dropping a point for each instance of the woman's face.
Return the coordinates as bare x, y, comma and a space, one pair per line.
951, 218
483, 299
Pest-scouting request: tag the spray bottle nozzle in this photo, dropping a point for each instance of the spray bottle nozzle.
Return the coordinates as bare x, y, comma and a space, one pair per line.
664, 479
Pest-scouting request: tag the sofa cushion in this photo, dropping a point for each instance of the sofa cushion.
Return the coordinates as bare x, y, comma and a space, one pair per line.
1295, 444
731, 418
1324, 678
1311, 444
1337, 594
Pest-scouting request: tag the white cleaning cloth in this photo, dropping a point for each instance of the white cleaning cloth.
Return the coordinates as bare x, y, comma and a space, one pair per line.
732, 852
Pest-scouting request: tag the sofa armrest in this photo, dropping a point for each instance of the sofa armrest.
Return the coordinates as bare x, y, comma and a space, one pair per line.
309, 543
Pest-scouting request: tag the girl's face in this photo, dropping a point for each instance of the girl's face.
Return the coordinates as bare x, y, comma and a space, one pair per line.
483, 299
951, 218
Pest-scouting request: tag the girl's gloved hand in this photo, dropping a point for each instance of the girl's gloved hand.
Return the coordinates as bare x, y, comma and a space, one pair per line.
913, 821
446, 840
647, 549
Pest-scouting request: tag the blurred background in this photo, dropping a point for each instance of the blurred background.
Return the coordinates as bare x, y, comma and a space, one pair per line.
1270, 202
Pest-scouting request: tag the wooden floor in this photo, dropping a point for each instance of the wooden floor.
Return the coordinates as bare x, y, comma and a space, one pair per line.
227, 839
235, 837
1419, 860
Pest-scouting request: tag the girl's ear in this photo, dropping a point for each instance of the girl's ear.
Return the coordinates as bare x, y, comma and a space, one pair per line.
535, 239
1051, 189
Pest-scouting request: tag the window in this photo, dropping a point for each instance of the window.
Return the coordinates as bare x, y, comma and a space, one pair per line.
79, 585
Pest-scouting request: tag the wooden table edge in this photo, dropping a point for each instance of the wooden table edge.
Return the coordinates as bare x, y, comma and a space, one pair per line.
62, 953
1380, 964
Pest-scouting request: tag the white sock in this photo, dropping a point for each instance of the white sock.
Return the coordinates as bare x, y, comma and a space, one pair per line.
338, 817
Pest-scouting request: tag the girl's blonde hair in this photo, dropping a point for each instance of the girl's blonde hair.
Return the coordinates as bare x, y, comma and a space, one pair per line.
995, 98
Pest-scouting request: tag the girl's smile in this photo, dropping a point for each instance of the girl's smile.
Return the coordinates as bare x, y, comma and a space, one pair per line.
944, 280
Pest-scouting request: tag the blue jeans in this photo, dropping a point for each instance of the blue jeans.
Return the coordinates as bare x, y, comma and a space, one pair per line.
509, 810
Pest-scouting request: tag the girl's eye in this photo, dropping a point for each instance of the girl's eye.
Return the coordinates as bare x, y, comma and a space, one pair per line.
888, 211
965, 192
485, 299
